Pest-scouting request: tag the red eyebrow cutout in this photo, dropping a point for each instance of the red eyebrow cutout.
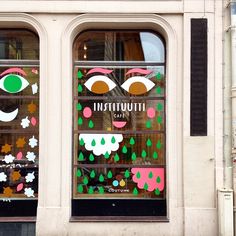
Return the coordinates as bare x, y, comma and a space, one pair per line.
11, 70
140, 71
99, 70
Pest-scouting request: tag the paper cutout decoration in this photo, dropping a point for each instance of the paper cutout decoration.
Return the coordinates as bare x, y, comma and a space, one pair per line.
33, 142
25, 122
30, 177
8, 158
19, 187
6, 148
151, 112
30, 156
149, 178
35, 71
32, 108
29, 192
34, 88
139, 70
87, 112
3, 177
12, 70
20, 143
93, 143
7, 117
7, 192
119, 124
33, 121
19, 155
15, 175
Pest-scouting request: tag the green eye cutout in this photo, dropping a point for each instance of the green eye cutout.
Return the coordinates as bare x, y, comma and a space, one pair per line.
13, 83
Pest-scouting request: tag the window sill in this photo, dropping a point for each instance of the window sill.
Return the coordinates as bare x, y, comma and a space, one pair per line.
17, 219
119, 219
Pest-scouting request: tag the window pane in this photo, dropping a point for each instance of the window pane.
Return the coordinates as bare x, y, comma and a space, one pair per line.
18, 44
119, 46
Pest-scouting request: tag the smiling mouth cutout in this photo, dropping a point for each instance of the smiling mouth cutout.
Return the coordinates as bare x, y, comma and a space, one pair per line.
119, 124
12, 83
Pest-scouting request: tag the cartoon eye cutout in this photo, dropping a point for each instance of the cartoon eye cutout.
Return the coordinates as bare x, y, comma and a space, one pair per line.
137, 85
13, 83
99, 84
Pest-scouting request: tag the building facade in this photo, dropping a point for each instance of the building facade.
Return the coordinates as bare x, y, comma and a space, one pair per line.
117, 116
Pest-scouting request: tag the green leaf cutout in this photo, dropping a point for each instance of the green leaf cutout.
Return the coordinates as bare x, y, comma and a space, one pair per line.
101, 190
155, 155
106, 155
157, 191
127, 174
149, 143
132, 141
80, 188
148, 124
116, 157
133, 156
124, 149
135, 192
159, 119
81, 142
102, 141
78, 107
109, 174
79, 74
158, 90
159, 106
145, 186
91, 157
138, 175
159, 144
101, 178
150, 175
143, 154
158, 179
80, 121
90, 190
80, 89
113, 140
91, 124
78, 173
93, 143
81, 156
92, 174
158, 76
85, 180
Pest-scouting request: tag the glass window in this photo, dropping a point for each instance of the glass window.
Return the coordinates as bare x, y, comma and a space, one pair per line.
19, 121
119, 124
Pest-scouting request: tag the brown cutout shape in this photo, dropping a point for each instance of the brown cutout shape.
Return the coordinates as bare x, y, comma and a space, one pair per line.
20, 143
32, 108
7, 192
15, 175
6, 148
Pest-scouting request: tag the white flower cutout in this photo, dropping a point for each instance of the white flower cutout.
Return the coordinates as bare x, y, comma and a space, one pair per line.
25, 122
30, 177
29, 192
8, 158
3, 177
34, 88
30, 156
33, 142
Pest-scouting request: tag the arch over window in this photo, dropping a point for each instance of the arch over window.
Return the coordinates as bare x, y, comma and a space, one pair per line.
119, 124
19, 122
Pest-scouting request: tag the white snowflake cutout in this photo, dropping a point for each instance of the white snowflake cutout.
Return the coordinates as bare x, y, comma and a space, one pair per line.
30, 156
3, 177
33, 142
25, 122
29, 192
30, 177
34, 88
8, 158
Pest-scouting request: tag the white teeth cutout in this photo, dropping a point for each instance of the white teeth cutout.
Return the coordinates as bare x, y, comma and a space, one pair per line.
141, 79
89, 83
6, 117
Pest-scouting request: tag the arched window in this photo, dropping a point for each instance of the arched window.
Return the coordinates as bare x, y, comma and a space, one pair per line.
19, 122
119, 163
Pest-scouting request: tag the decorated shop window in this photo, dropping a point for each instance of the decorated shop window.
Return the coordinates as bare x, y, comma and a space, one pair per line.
119, 123
19, 122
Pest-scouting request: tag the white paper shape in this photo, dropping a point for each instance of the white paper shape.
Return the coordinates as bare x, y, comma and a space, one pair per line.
30, 177
33, 142
6, 117
100, 149
34, 88
25, 122
9, 158
29, 192
30, 156
3, 177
